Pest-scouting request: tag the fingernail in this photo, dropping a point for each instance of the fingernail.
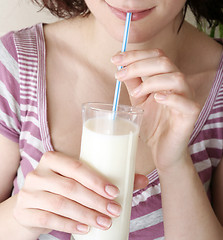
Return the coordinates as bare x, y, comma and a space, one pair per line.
83, 228
112, 190
136, 91
104, 222
116, 59
114, 209
121, 73
160, 96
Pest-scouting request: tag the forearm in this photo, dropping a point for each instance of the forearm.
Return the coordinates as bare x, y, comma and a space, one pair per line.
10, 228
187, 211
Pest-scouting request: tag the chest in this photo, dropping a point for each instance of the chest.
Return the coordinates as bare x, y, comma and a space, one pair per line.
73, 84
66, 92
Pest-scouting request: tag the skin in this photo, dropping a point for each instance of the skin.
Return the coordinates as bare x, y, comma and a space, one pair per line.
164, 75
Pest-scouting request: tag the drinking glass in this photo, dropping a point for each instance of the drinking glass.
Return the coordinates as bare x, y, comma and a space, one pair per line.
109, 145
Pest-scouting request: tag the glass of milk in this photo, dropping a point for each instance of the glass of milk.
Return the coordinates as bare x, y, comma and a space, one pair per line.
108, 145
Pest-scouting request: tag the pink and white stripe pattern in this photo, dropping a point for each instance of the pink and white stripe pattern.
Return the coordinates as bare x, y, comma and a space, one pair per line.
23, 119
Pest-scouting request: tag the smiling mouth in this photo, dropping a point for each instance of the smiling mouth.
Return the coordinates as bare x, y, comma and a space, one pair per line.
136, 14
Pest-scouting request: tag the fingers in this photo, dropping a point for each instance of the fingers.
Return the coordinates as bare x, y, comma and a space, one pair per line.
137, 65
72, 190
47, 220
169, 82
131, 85
124, 59
77, 170
150, 71
64, 208
43, 209
184, 113
58, 189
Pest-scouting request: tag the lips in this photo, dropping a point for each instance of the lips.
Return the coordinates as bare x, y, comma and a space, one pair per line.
136, 14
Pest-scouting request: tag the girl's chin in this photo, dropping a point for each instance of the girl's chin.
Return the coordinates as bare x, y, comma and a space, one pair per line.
134, 37
136, 34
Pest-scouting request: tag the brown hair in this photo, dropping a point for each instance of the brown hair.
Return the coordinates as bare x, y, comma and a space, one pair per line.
65, 8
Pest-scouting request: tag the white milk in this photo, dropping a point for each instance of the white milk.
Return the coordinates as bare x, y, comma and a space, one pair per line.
113, 155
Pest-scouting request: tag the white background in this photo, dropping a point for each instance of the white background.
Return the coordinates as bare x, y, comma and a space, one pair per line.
17, 14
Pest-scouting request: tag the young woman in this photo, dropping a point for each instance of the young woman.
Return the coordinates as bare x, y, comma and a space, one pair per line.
172, 71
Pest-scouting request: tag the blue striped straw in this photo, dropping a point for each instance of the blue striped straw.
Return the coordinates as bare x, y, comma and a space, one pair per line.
124, 44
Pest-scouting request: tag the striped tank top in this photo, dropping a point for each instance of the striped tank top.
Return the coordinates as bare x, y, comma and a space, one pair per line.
23, 119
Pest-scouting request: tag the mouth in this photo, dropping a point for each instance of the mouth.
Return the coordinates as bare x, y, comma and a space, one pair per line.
136, 14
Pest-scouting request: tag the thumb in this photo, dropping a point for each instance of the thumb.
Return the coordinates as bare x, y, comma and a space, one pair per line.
140, 182
131, 85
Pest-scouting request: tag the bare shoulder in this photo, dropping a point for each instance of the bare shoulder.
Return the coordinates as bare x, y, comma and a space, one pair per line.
200, 53
66, 33
200, 58
66, 44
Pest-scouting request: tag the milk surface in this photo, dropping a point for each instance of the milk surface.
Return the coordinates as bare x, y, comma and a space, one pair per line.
109, 146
